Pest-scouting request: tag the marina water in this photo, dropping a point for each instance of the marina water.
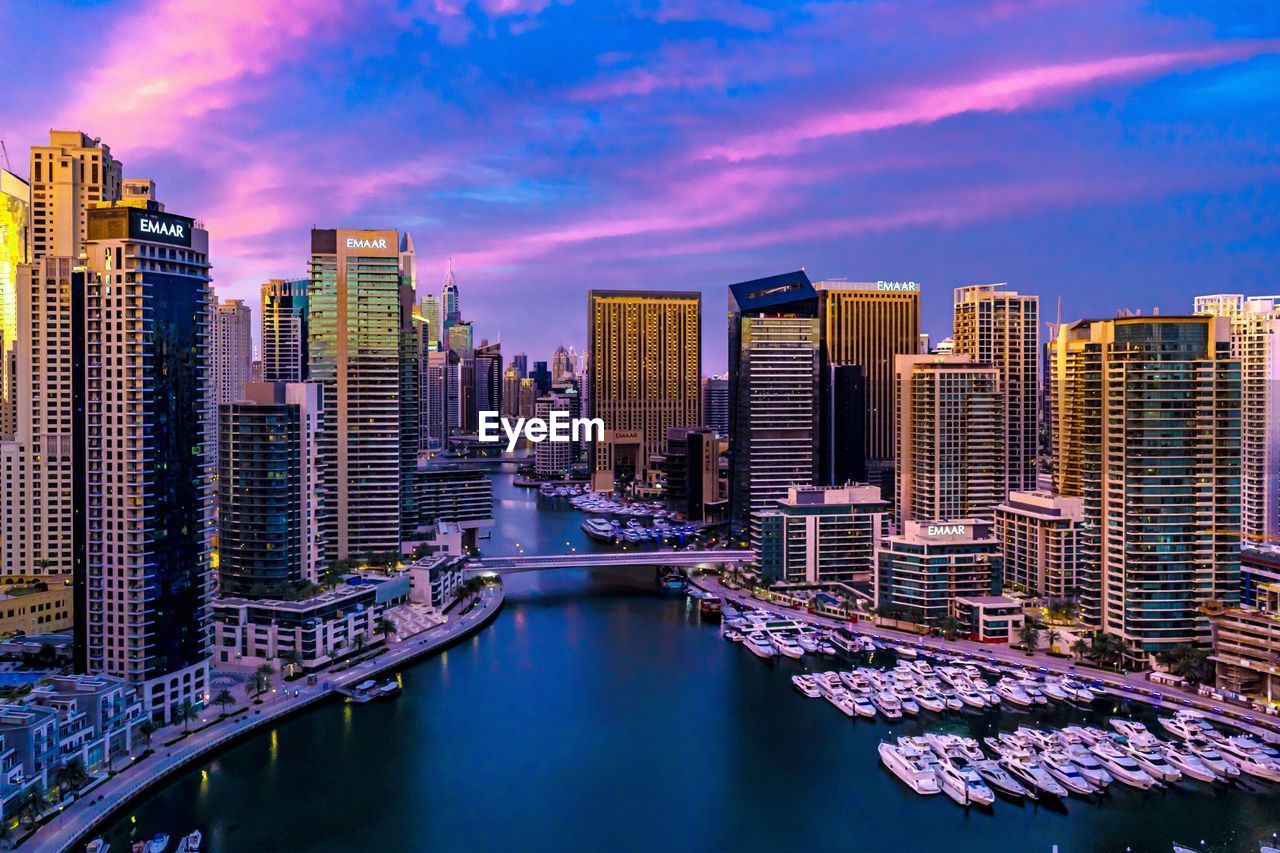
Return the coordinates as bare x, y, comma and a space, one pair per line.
598, 714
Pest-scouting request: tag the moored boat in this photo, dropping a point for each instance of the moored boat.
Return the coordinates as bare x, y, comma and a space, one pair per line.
912, 766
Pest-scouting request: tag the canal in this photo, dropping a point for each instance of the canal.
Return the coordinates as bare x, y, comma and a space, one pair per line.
597, 714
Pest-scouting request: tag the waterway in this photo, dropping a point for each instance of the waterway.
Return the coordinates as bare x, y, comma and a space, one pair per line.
597, 714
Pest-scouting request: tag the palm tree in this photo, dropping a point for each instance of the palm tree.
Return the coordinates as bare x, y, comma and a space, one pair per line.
1029, 636
949, 625
262, 678
293, 659
1053, 636
358, 643
187, 712
1187, 661
386, 627
147, 728
1080, 648
223, 699
33, 803
72, 775
1106, 648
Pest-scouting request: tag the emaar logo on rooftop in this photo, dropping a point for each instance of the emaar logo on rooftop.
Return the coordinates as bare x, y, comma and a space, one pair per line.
558, 427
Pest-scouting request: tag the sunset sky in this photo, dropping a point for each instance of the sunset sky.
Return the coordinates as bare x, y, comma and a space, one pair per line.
1104, 153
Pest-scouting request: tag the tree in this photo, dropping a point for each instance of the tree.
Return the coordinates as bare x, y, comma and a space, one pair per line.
223, 699
262, 679
949, 625
147, 728
1187, 661
1080, 648
72, 775
34, 802
1029, 636
187, 712
1053, 636
1106, 648
386, 627
358, 643
293, 659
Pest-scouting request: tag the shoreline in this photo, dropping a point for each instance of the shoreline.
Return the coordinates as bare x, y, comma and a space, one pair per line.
78, 821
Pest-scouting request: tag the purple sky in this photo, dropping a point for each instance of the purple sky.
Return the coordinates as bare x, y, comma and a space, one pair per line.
1099, 152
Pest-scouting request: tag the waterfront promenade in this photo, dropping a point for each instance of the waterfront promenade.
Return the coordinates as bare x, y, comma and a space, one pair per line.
76, 823
1132, 686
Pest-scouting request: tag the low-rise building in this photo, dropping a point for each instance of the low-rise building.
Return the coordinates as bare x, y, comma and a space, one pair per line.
435, 581
922, 571
320, 629
822, 534
1039, 537
990, 618
35, 609
1246, 646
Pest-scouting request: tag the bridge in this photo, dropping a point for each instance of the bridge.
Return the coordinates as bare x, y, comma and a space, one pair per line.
497, 566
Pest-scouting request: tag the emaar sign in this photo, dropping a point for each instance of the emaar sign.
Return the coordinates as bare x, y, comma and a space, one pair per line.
366, 243
559, 427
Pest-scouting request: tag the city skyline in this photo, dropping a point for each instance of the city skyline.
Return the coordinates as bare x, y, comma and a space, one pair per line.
652, 151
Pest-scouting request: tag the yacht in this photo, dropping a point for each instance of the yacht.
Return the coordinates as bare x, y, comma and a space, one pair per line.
929, 700
1031, 687
806, 685
908, 702
1136, 733
842, 700
732, 636
759, 646
1152, 760
1085, 734
912, 766
923, 669
1001, 780
787, 646
863, 706
1076, 691
949, 695
887, 703
1187, 724
1025, 766
842, 641
963, 783
1036, 739
1122, 766
809, 641
1208, 753
1052, 688
1088, 764
1062, 768
1187, 762
1251, 757
1009, 690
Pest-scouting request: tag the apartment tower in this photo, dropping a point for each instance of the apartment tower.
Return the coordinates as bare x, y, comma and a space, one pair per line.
285, 330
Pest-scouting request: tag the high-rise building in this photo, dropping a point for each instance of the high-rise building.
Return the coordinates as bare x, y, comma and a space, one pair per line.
844, 447
1255, 343
693, 484
429, 315
541, 377
926, 569
528, 398
232, 350
511, 393
15, 224
774, 371
520, 361
285, 330
356, 357
870, 324
434, 428
1039, 537
561, 366
715, 404
69, 176
645, 377
823, 534
488, 378
1146, 430
269, 490
1001, 328
450, 300
950, 448
143, 403
551, 458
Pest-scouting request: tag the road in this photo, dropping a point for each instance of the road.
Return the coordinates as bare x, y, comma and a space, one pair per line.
75, 823
1134, 686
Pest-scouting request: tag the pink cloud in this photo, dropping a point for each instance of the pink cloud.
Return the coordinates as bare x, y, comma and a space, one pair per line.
1004, 92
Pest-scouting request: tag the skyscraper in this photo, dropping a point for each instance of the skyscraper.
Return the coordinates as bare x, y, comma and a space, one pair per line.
541, 377
1001, 328
450, 300
489, 384
1146, 429
645, 377
269, 490
520, 361
870, 324
15, 223
561, 366
355, 356
715, 404
774, 369
232, 350
510, 393
1255, 342
434, 399
950, 450
429, 315
69, 176
143, 404
284, 330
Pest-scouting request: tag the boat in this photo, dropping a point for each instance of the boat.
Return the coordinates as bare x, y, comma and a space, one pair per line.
1249, 756
968, 696
1002, 780
1152, 760
1088, 764
1187, 762
1052, 688
1187, 724
845, 643
888, 704
386, 691
97, 845
912, 766
908, 702
710, 606
929, 700
1084, 734
1121, 765
1136, 733
1010, 691
733, 636
907, 652
842, 699
963, 783
1031, 687
190, 843
1076, 691
806, 685
1026, 767
1065, 771
1208, 753
862, 705
599, 529
759, 646
808, 641
787, 646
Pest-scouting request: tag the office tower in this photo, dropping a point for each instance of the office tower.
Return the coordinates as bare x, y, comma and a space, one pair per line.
269, 490
429, 315
449, 299
870, 324
950, 448
715, 404
285, 330
232, 350
410, 405
255, 370
409, 264
435, 398
39, 464
927, 570
355, 356
692, 465
844, 417
645, 378
1255, 343
489, 378
774, 376
528, 398
561, 366
1039, 537
822, 534
575, 362
520, 361
15, 223
551, 458
143, 526
1146, 431
510, 393
541, 377
69, 176
1001, 328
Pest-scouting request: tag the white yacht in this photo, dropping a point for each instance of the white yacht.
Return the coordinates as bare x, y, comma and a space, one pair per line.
1122, 766
1207, 751
968, 696
787, 646
1031, 687
1152, 760
907, 700
806, 685
1251, 757
887, 703
1062, 768
907, 652
929, 700
841, 699
862, 705
912, 766
963, 784
759, 646
952, 698
1001, 780
1076, 691
809, 641
1136, 733
1088, 763
1085, 734
1025, 766
1187, 762
1052, 688
1009, 690
1187, 724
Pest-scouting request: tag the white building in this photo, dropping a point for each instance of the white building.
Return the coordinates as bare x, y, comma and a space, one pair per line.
1039, 537
823, 535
